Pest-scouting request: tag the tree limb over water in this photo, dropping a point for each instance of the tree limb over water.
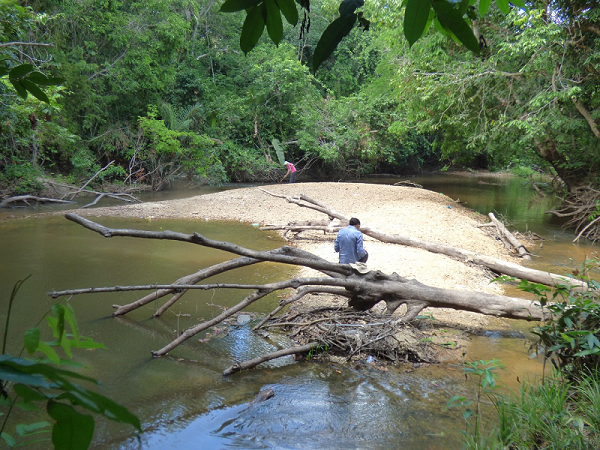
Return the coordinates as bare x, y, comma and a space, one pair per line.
364, 289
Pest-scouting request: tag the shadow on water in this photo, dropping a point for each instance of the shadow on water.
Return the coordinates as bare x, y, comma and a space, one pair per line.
183, 400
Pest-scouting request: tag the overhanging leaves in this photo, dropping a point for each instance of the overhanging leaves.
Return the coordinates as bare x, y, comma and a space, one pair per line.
274, 23
252, 30
415, 19
333, 34
452, 19
238, 5
72, 430
289, 11
347, 7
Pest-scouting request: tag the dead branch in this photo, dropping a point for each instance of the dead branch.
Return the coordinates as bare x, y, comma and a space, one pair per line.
82, 188
408, 184
27, 198
364, 290
510, 238
269, 356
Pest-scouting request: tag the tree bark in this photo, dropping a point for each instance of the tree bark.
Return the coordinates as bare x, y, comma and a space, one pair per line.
364, 290
494, 264
509, 237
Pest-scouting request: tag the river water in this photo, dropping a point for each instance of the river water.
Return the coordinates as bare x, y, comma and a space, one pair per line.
183, 401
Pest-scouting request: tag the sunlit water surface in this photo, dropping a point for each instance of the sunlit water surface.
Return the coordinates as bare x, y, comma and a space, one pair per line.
183, 400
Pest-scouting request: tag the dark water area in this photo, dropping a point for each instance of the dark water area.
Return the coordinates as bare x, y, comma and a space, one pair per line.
183, 400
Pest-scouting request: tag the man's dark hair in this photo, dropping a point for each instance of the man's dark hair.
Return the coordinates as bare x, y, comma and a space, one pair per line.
354, 221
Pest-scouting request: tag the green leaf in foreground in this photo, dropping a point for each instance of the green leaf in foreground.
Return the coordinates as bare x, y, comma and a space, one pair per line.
331, 37
72, 429
289, 11
238, 5
252, 30
451, 19
415, 19
274, 23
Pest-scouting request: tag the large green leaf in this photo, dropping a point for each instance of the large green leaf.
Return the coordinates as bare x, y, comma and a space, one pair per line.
503, 6
43, 80
274, 23
32, 340
238, 5
28, 394
451, 19
99, 404
20, 71
72, 430
8, 373
331, 37
289, 11
484, 6
415, 19
252, 30
35, 90
29, 367
347, 7
21, 91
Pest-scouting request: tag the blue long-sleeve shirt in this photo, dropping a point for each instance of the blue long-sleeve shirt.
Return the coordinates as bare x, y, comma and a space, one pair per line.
349, 244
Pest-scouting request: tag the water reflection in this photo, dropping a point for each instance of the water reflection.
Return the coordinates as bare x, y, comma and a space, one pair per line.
331, 407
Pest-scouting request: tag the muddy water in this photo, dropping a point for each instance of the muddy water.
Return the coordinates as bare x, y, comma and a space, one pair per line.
185, 403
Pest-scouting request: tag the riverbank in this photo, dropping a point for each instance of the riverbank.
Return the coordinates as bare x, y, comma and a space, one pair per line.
408, 211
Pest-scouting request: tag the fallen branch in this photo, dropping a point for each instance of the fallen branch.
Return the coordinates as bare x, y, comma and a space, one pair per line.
82, 188
364, 290
269, 356
510, 238
27, 198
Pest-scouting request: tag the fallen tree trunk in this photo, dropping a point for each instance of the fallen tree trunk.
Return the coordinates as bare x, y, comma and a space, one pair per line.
28, 198
494, 264
364, 290
509, 237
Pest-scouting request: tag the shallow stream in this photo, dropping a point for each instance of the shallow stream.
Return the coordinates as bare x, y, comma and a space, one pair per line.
184, 402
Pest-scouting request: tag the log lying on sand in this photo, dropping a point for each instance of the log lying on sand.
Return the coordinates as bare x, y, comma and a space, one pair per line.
507, 236
494, 264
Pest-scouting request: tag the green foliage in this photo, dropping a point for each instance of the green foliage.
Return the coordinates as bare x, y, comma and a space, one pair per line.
20, 178
27, 383
483, 374
452, 18
570, 337
552, 414
167, 151
25, 78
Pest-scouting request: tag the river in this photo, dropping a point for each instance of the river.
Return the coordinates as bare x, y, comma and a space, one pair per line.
184, 402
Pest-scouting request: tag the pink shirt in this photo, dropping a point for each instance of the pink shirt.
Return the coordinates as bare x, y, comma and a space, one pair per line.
291, 167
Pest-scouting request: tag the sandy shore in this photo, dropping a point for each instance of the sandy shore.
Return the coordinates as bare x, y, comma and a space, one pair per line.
407, 211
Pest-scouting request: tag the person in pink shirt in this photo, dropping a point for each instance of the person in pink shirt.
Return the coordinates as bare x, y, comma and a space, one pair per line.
291, 170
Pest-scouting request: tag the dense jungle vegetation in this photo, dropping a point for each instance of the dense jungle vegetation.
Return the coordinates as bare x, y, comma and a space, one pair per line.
163, 89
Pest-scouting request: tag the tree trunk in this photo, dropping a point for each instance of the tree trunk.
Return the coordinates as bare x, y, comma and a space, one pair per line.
494, 264
364, 290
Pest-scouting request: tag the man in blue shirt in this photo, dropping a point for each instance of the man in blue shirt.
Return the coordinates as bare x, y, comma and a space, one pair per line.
349, 244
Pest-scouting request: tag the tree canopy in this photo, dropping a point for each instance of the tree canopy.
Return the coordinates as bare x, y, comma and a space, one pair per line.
182, 90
